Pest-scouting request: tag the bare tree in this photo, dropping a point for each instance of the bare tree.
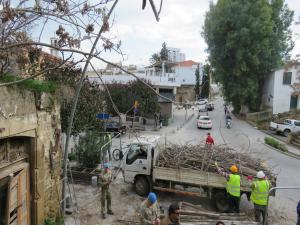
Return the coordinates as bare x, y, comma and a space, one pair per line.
74, 22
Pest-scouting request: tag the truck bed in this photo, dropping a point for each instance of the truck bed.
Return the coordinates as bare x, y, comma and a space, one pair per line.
195, 178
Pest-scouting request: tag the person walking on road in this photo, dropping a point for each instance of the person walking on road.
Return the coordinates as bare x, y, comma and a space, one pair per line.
233, 187
259, 196
149, 211
209, 142
105, 181
173, 216
298, 213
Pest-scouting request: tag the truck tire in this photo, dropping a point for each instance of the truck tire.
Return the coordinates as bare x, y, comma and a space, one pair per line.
286, 132
221, 201
141, 186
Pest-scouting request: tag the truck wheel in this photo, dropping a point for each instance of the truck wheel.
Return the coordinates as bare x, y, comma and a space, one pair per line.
141, 185
221, 201
286, 132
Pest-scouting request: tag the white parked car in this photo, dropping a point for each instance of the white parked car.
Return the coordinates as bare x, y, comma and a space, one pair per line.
201, 101
286, 127
204, 122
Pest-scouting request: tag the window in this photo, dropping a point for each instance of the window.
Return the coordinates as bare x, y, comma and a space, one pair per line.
135, 152
287, 77
297, 123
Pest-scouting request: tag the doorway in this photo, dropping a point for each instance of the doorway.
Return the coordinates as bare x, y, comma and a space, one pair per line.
294, 102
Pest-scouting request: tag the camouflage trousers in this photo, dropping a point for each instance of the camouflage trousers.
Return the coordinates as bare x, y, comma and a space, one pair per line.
105, 195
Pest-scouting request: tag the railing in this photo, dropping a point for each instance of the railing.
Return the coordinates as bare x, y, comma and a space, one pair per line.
259, 116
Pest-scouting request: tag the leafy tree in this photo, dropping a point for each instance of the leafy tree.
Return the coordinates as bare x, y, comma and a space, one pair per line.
124, 95
155, 58
163, 55
246, 40
205, 81
164, 52
197, 85
91, 102
88, 148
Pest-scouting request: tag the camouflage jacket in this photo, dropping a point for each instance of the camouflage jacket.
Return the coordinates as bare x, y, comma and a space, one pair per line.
105, 180
148, 214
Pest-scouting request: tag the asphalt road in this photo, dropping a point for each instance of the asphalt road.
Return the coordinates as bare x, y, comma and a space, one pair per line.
245, 138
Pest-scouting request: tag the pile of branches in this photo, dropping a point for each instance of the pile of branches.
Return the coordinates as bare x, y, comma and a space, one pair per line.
199, 157
190, 213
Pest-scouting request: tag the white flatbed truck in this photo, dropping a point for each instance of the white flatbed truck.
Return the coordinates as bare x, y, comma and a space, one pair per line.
139, 167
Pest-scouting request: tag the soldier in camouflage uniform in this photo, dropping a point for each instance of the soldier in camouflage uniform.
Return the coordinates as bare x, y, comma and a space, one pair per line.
105, 180
149, 211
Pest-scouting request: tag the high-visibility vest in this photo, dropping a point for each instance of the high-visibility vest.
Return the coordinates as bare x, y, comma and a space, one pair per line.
260, 193
234, 185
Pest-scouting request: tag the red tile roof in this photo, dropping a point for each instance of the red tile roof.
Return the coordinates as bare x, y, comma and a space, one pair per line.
188, 63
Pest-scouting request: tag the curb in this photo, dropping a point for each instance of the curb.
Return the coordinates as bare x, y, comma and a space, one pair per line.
293, 155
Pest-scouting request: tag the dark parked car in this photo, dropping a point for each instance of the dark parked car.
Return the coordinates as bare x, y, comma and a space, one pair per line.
210, 106
115, 127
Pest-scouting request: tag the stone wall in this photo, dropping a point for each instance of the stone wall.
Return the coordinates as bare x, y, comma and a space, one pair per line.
37, 116
185, 94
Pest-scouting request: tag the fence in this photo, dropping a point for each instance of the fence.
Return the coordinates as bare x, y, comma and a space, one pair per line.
259, 116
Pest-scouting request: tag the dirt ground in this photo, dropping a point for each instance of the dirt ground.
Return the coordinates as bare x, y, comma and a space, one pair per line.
125, 204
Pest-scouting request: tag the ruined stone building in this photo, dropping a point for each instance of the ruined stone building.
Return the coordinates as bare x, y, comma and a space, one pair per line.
30, 157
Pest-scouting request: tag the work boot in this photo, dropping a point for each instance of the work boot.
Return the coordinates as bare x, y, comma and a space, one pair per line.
110, 212
103, 215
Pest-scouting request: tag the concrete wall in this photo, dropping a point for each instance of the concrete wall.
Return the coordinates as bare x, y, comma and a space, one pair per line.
23, 113
282, 93
268, 91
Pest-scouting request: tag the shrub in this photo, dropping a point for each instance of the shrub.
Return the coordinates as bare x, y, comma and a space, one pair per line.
89, 146
54, 222
72, 156
33, 85
274, 143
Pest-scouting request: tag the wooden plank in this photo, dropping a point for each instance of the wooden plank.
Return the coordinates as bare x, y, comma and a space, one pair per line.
12, 168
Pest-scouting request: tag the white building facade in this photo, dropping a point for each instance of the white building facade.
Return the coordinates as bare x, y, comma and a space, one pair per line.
278, 93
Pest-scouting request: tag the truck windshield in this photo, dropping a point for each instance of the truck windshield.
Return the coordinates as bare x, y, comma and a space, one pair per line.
136, 151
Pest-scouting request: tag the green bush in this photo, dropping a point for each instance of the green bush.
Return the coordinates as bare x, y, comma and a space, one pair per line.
89, 146
272, 142
54, 222
33, 85
72, 156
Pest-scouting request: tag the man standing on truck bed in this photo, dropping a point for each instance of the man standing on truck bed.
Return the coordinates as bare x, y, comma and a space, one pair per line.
105, 180
149, 211
233, 187
259, 196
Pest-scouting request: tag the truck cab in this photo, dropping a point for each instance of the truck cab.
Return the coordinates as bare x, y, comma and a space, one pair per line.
137, 163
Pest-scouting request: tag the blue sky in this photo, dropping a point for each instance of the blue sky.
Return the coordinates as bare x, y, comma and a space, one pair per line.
180, 25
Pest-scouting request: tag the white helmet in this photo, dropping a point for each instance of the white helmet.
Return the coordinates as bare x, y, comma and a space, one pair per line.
260, 174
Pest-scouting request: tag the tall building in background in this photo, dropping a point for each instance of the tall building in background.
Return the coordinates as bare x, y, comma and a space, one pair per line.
53, 51
175, 55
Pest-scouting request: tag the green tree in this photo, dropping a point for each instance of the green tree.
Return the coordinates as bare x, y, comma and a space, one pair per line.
164, 52
246, 40
124, 95
89, 146
197, 85
155, 58
163, 55
91, 102
205, 85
